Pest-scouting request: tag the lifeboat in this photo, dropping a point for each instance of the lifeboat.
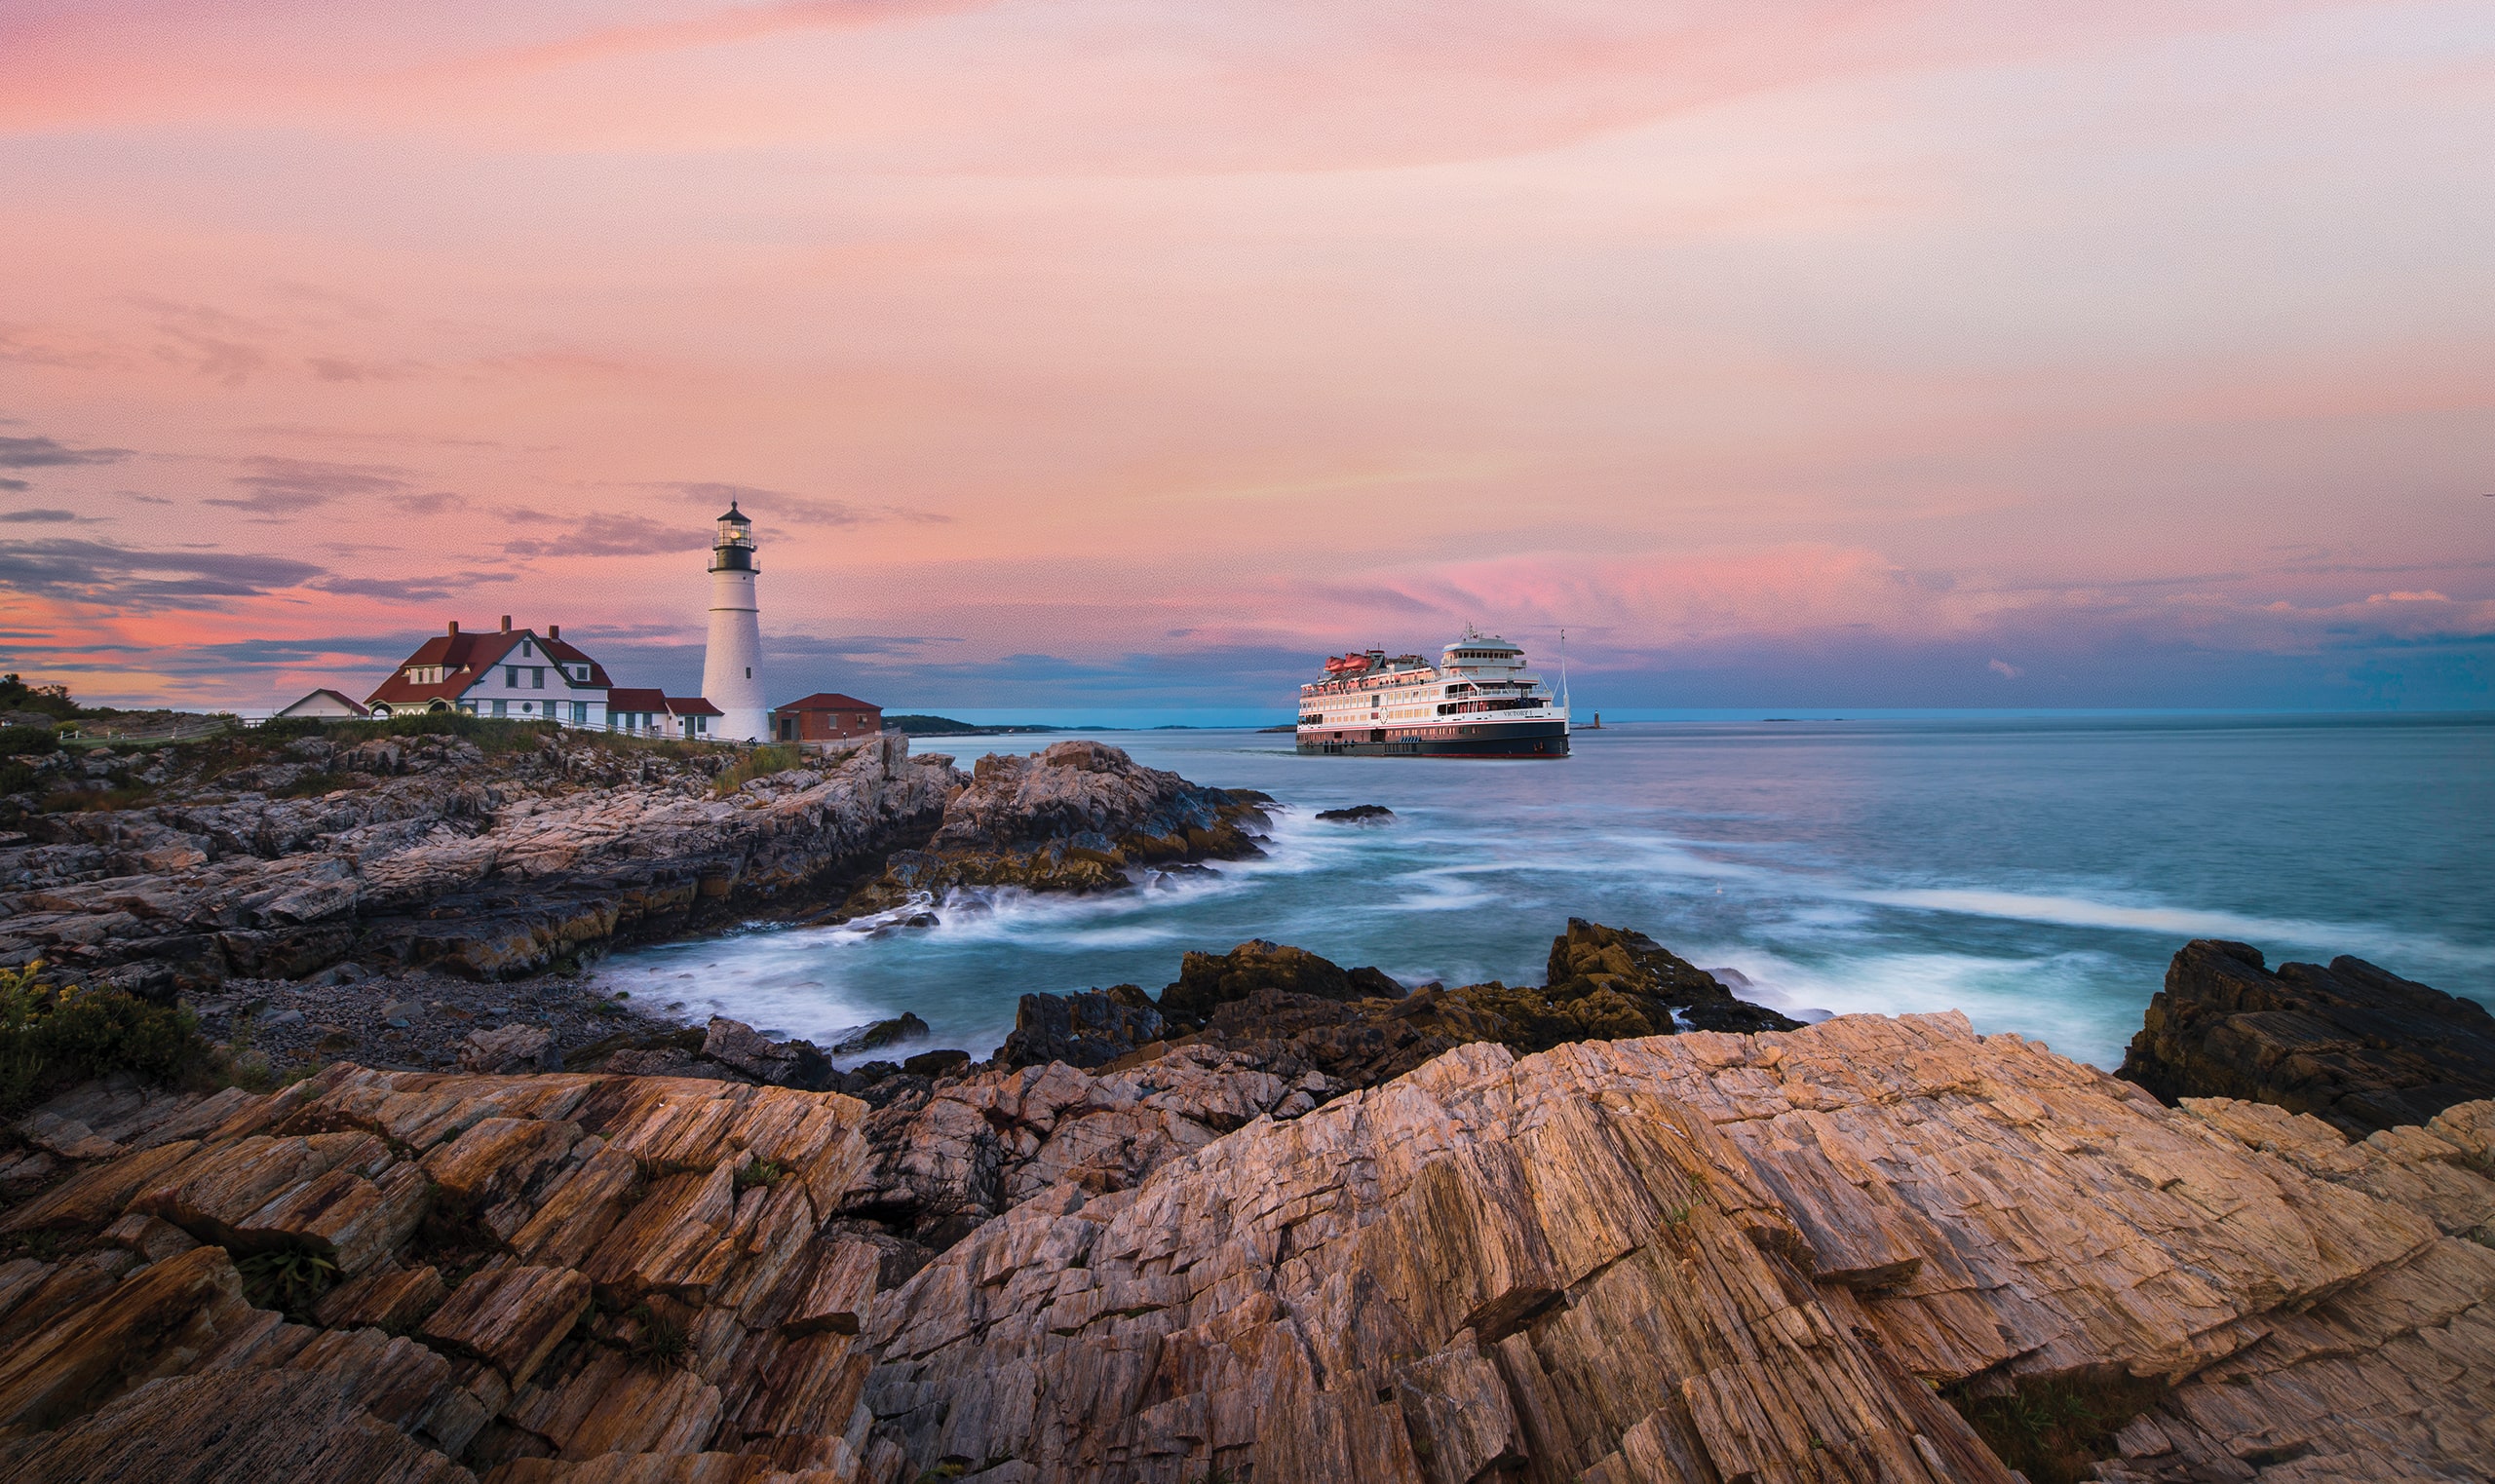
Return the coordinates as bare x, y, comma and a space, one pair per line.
1347, 665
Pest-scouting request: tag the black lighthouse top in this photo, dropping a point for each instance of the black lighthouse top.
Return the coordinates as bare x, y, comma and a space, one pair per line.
734, 548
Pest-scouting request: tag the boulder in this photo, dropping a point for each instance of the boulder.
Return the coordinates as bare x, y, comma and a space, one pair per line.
1358, 814
904, 1026
2355, 1044
1207, 981
1088, 1029
735, 1044
510, 1048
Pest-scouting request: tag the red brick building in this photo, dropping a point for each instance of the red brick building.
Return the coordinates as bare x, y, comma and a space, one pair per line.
825, 717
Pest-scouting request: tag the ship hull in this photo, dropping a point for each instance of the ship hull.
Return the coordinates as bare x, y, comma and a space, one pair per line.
1519, 739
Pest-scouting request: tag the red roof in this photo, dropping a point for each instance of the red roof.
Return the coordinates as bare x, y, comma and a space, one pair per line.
621, 699
829, 700
692, 705
463, 657
466, 656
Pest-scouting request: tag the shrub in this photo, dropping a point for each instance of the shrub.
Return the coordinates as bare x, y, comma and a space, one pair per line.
20, 741
50, 1037
278, 731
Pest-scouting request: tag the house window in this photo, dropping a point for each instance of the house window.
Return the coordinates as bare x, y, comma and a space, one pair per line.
502, 708
526, 651
787, 731
529, 709
469, 707
510, 677
537, 677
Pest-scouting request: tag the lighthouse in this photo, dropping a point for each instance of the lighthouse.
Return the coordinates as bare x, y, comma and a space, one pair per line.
732, 667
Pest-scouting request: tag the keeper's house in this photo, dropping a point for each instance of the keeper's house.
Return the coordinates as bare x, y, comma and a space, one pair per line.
650, 713
513, 673
825, 717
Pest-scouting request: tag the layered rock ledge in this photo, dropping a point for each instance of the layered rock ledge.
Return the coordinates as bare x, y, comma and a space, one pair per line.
429, 856
1700, 1256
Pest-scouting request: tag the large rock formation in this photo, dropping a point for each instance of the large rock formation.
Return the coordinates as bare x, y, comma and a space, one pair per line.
431, 853
1700, 1256
1076, 817
2360, 1048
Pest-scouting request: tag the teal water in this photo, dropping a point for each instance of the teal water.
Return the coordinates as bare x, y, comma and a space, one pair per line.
2036, 873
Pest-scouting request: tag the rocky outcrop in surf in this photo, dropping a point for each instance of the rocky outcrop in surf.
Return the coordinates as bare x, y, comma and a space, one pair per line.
2354, 1045
1076, 817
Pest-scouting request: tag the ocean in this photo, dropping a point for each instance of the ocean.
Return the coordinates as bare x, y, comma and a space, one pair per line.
2036, 873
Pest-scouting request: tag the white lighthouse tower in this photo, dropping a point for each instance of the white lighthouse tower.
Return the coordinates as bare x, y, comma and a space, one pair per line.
732, 667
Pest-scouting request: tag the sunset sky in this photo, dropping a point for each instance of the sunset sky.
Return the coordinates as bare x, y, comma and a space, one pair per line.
1121, 358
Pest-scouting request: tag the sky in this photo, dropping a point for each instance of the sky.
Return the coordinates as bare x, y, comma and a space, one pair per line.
1123, 358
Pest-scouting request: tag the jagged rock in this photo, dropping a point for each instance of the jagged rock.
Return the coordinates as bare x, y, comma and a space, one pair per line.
936, 1063
882, 1033
1207, 981
780, 1063
230, 1427
1694, 1256
1591, 964
488, 867
2362, 1048
1088, 1029
510, 1048
1358, 814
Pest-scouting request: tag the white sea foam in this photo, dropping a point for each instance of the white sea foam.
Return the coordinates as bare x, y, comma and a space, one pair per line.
2171, 921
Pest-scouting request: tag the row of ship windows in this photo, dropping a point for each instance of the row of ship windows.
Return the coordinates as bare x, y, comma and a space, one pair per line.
1450, 708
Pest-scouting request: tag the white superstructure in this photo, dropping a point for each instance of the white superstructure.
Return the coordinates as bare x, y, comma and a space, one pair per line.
732, 665
1478, 701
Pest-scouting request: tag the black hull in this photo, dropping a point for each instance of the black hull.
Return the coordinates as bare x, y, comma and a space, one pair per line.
1526, 739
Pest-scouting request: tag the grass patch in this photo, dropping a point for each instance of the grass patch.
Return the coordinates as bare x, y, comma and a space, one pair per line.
2055, 1431
760, 763
291, 1280
661, 1341
52, 1036
763, 1172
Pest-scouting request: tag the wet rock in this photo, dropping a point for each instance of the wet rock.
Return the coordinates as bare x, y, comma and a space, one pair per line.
936, 1063
1358, 814
883, 1033
510, 1048
1088, 1029
2351, 1044
1207, 981
1374, 982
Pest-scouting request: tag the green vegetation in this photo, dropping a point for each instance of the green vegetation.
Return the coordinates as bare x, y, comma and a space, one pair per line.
945, 726
661, 1341
760, 763
18, 741
2054, 1431
52, 701
51, 1037
763, 1172
291, 1280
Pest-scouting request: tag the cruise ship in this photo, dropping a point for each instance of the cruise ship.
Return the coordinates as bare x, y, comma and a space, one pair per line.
1477, 701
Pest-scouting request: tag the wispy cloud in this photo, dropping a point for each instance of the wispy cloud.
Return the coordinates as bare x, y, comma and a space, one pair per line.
132, 578
282, 486
47, 454
36, 517
801, 510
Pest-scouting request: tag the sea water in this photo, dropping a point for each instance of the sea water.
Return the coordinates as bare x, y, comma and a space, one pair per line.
2036, 873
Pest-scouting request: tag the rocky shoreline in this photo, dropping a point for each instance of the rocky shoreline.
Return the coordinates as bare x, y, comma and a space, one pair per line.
1278, 1220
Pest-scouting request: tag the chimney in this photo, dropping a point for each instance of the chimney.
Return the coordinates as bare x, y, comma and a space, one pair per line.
506, 623
553, 630
454, 628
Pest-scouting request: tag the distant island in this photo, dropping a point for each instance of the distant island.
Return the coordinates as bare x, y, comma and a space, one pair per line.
946, 726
